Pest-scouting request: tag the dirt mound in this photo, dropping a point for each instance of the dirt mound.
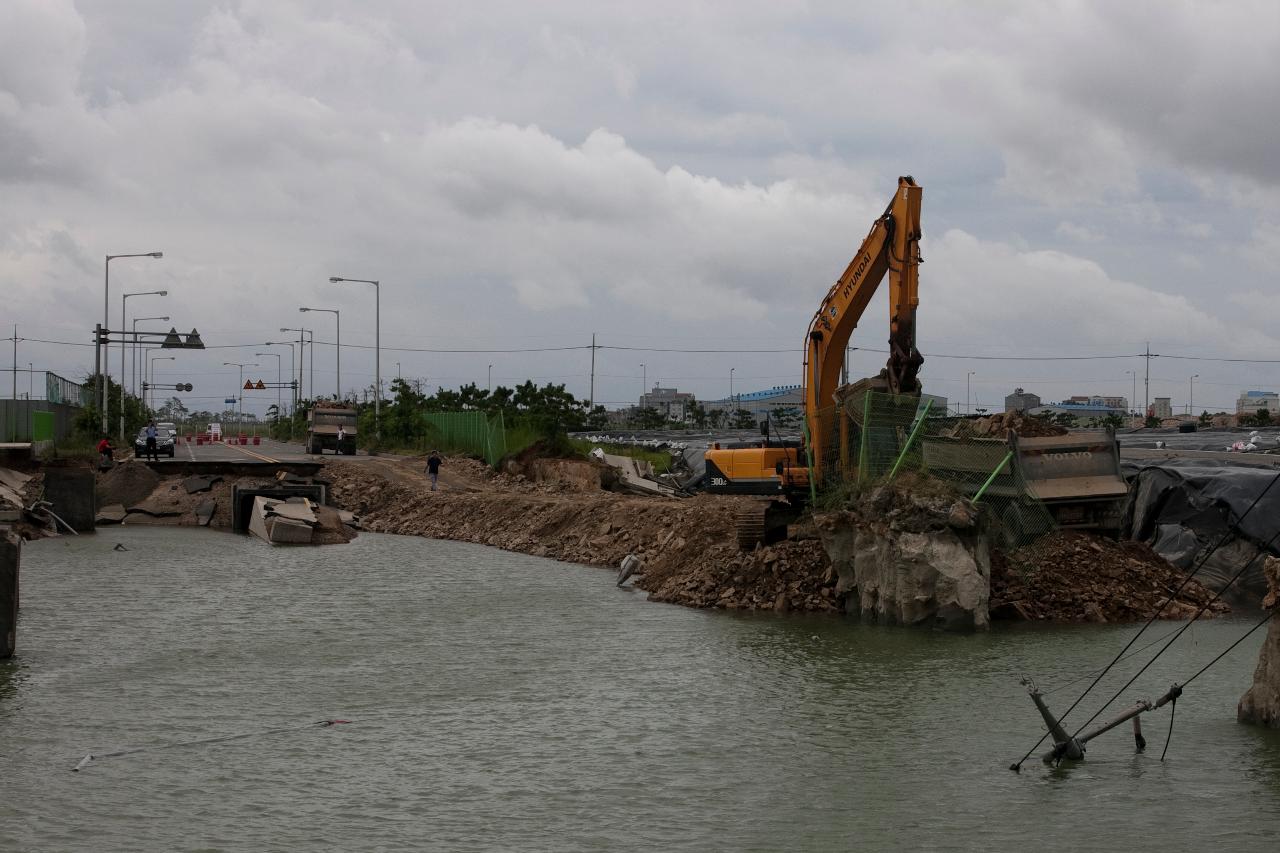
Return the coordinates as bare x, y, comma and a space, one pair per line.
1072, 576
997, 425
128, 483
788, 576
687, 546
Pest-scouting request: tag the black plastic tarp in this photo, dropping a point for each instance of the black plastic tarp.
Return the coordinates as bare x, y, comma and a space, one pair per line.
1184, 508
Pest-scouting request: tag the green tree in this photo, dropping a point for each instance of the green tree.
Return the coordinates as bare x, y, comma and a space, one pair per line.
716, 418
88, 421
1151, 422
1065, 419
742, 419
1115, 420
698, 414
786, 416
648, 418
1263, 418
597, 418
1205, 419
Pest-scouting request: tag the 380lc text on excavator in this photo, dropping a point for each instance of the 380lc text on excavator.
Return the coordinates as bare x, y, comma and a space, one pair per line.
789, 472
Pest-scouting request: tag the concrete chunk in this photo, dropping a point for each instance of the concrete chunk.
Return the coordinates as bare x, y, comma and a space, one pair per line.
113, 514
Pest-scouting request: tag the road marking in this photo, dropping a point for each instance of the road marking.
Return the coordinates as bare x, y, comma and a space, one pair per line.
249, 452
190, 451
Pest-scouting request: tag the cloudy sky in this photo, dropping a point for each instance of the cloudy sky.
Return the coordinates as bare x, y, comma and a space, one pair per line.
669, 176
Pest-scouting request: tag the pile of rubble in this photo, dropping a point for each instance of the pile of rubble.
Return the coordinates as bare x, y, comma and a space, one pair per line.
788, 576
1070, 576
1001, 423
686, 547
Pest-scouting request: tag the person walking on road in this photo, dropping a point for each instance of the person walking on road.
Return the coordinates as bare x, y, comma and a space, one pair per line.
152, 433
433, 467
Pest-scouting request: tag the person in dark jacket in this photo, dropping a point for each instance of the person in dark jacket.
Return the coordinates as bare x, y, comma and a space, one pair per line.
152, 434
433, 467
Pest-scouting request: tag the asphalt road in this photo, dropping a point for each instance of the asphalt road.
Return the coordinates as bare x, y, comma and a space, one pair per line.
268, 450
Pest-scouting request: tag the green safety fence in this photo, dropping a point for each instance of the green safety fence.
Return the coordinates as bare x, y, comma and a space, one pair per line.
470, 432
42, 426
873, 437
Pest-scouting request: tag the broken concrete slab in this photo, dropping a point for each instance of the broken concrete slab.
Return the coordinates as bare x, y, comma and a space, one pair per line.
155, 510
114, 514
204, 512
200, 484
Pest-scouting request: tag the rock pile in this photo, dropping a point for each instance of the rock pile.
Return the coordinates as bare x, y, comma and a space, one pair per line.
686, 546
999, 424
127, 483
1261, 705
1070, 576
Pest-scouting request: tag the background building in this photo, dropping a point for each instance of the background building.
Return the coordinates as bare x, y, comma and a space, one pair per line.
1021, 401
1161, 408
760, 402
1251, 401
670, 403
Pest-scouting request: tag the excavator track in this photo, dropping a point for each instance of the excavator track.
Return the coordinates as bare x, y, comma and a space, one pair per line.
749, 522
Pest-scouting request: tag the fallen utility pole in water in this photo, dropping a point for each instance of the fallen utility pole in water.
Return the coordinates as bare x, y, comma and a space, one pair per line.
1072, 748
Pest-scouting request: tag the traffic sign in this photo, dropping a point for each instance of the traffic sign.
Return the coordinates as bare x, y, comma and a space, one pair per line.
248, 385
230, 401
261, 386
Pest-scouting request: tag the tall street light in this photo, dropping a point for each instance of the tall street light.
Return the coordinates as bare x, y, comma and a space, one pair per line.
279, 384
294, 400
968, 407
151, 373
338, 318
302, 360
240, 390
377, 347
731, 369
106, 322
1191, 396
644, 384
134, 361
124, 301
491, 379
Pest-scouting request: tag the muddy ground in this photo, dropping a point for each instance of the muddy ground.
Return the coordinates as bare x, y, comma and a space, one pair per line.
557, 508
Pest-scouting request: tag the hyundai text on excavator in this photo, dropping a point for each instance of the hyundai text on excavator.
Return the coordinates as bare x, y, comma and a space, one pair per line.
789, 473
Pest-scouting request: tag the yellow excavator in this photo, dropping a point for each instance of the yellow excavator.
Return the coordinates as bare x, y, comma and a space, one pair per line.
790, 472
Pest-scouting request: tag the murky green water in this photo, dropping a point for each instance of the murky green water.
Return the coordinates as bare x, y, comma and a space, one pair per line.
502, 702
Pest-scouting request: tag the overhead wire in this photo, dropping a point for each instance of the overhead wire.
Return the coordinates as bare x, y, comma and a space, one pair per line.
1122, 653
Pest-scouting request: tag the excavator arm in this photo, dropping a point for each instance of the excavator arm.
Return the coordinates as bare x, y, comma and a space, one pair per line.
892, 247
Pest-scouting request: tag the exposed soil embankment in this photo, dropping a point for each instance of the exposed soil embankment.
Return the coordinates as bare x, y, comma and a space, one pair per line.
1074, 577
686, 546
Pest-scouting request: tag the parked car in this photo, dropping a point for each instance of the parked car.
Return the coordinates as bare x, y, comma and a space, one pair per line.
168, 427
164, 443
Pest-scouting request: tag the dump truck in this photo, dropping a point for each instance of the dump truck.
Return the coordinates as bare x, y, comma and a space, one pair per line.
1075, 477
324, 423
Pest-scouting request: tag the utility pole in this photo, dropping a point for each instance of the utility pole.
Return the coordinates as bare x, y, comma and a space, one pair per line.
1146, 384
591, 395
15, 382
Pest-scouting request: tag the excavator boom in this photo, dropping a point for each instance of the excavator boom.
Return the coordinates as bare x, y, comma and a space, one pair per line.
782, 469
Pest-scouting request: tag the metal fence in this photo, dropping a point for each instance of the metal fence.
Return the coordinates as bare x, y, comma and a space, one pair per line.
36, 420
469, 432
874, 437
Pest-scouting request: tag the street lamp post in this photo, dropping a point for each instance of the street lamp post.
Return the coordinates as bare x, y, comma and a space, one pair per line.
135, 365
240, 391
302, 360
293, 402
968, 407
644, 384
151, 373
106, 323
491, 378
377, 347
731, 369
1191, 396
124, 301
279, 384
338, 318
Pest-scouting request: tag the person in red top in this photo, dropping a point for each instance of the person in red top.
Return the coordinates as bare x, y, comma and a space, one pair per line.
107, 451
